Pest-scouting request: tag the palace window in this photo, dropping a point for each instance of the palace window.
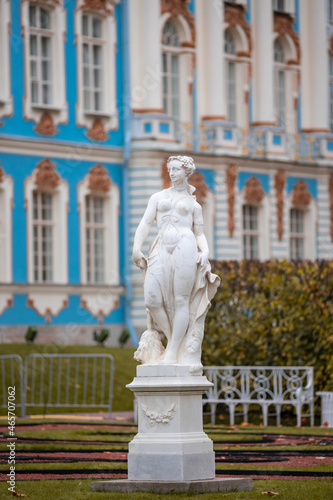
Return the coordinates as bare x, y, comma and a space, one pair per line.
95, 239
43, 238
278, 5
297, 233
231, 81
99, 202
96, 69
330, 11
45, 96
279, 84
170, 70
250, 232
46, 196
6, 196
6, 102
40, 54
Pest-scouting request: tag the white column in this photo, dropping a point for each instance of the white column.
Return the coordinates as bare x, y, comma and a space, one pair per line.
314, 66
210, 59
262, 26
145, 53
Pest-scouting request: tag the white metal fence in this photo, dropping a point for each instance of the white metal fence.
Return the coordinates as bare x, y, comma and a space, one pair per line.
58, 381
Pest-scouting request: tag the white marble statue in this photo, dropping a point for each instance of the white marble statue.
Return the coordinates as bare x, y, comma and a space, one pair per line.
178, 284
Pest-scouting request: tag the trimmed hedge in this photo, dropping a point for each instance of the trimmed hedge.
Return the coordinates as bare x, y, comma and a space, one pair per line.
275, 313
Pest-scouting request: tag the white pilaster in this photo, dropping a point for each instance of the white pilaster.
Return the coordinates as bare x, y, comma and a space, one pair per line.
145, 53
262, 25
314, 70
210, 59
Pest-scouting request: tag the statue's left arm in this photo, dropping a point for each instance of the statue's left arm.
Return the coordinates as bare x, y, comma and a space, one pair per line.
200, 236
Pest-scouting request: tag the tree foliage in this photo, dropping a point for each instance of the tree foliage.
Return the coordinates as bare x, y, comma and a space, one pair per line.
274, 313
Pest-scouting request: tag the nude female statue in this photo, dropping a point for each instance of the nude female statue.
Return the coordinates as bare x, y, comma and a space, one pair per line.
178, 283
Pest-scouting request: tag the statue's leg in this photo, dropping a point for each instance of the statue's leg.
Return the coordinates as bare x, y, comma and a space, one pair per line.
184, 277
154, 302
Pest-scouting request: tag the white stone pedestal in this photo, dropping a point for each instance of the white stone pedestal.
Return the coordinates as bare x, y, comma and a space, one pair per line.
170, 444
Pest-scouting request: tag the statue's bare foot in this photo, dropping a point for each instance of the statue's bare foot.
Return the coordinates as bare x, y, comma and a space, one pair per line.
169, 359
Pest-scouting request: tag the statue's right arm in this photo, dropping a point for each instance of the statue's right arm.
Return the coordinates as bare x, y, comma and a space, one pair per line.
143, 231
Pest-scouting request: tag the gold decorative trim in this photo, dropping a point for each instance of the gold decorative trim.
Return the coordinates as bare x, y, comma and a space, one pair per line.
253, 192
283, 25
233, 15
99, 179
231, 176
96, 5
201, 189
46, 177
2, 174
213, 117
300, 194
165, 175
280, 181
179, 8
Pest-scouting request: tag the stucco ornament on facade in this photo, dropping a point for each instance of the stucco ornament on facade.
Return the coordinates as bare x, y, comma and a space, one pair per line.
234, 15
231, 176
253, 192
331, 205
46, 177
2, 174
99, 179
178, 283
197, 181
300, 195
46, 125
97, 131
283, 25
96, 5
279, 183
179, 8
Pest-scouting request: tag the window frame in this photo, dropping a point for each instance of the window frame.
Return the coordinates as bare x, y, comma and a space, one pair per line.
58, 108
111, 251
295, 235
60, 233
248, 233
6, 228
6, 98
109, 111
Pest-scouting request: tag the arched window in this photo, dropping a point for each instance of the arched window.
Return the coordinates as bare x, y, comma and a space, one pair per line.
279, 84
171, 70
231, 79
251, 232
297, 233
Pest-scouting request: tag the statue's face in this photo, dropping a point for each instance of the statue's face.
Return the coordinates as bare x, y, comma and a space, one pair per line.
176, 171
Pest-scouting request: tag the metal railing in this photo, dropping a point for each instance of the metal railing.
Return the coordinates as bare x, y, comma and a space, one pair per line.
60, 381
11, 377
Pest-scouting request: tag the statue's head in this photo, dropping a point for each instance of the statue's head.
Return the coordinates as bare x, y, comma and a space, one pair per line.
186, 162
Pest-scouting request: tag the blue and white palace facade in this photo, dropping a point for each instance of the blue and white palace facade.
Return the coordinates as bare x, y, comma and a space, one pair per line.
96, 94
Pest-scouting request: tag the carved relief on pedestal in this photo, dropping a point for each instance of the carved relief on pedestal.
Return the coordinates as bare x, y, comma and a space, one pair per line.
97, 131
283, 25
158, 417
179, 8
300, 194
46, 125
233, 15
280, 181
331, 205
46, 177
99, 179
253, 192
231, 176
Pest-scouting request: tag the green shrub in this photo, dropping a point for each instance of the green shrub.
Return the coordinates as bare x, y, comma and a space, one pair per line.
101, 337
276, 313
31, 334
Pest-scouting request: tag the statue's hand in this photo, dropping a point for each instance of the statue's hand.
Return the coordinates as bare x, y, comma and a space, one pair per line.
139, 259
203, 258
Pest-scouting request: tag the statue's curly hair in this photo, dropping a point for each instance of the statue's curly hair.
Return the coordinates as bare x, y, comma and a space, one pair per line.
186, 161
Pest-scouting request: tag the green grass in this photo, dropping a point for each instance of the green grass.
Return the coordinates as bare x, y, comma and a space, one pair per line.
124, 373
80, 490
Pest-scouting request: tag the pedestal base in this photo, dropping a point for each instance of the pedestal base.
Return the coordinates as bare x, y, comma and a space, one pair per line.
207, 486
170, 444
